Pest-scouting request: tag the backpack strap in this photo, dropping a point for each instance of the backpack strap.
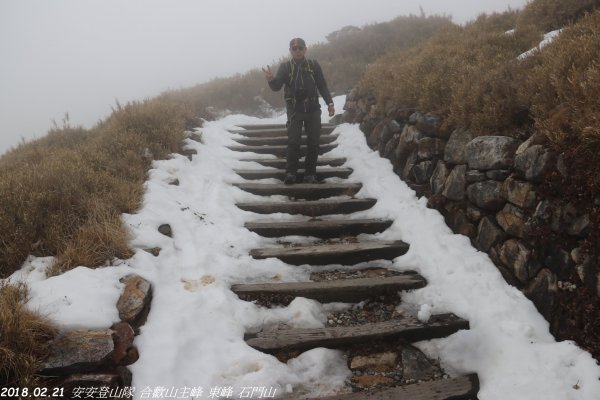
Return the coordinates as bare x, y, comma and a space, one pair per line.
292, 74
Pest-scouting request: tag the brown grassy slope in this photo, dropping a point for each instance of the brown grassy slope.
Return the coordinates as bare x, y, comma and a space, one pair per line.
465, 73
548, 15
62, 195
564, 83
24, 338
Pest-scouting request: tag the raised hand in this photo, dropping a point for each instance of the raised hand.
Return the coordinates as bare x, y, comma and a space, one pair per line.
268, 73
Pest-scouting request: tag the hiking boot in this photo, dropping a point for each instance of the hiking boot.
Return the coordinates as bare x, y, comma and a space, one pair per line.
290, 179
310, 179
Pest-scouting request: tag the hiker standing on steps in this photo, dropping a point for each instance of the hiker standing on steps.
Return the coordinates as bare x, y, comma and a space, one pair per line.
303, 80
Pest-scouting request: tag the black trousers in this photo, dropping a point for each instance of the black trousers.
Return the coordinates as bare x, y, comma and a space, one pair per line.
312, 126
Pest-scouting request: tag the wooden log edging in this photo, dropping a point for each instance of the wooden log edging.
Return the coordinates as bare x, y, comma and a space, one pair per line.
408, 328
342, 290
310, 208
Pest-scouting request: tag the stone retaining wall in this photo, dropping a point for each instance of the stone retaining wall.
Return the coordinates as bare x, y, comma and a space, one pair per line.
489, 189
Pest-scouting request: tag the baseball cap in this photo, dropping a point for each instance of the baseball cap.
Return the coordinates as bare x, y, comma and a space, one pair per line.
297, 42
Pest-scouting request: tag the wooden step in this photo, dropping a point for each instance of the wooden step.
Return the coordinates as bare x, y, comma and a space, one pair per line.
408, 328
270, 131
280, 163
280, 140
322, 173
279, 151
460, 388
310, 208
337, 253
319, 228
311, 191
342, 290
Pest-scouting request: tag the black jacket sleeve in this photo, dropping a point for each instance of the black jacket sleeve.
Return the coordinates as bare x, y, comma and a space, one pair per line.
280, 78
321, 84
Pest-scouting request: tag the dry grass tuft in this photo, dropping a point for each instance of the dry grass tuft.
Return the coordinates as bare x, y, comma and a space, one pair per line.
465, 73
24, 338
100, 239
564, 86
62, 195
548, 15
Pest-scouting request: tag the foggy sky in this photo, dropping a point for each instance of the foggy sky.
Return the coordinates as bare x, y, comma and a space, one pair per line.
79, 56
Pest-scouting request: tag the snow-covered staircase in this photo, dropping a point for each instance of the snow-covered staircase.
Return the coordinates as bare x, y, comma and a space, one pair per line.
340, 247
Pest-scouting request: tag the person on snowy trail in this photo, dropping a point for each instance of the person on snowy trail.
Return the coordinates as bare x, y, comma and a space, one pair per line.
303, 80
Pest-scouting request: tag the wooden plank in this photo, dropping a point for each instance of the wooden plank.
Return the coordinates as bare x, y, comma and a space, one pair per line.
280, 140
273, 130
310, 208
338, 253
301, 190
460, 388
408, 328
281, 162
279, 151
343, 290
322, 173
318, 228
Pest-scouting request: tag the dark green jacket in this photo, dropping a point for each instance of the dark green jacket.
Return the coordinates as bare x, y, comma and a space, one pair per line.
301, 91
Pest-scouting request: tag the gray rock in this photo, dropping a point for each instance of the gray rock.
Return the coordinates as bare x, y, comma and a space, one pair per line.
438, 178
579, 256
488, 234
196, 137
166, 230
498, 174
578, 226
521, 194
353, 95
134, 303
407, 145
548, 213
390, 147
78, 351
430, 148
486, 195
518, 258
542, 292
428, 124
454, 188
459, 223
409, 164
408, 142
189, 153
349, 115
474, 175
491, 152
513, 220
558, 260
473, 213
374, 137
395, 126
423, 171
336, 119
455, 148
416, 366
386, 134
155, 251
533, 163
535, 139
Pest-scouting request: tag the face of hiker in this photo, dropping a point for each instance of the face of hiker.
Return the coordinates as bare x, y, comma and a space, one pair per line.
298, 52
